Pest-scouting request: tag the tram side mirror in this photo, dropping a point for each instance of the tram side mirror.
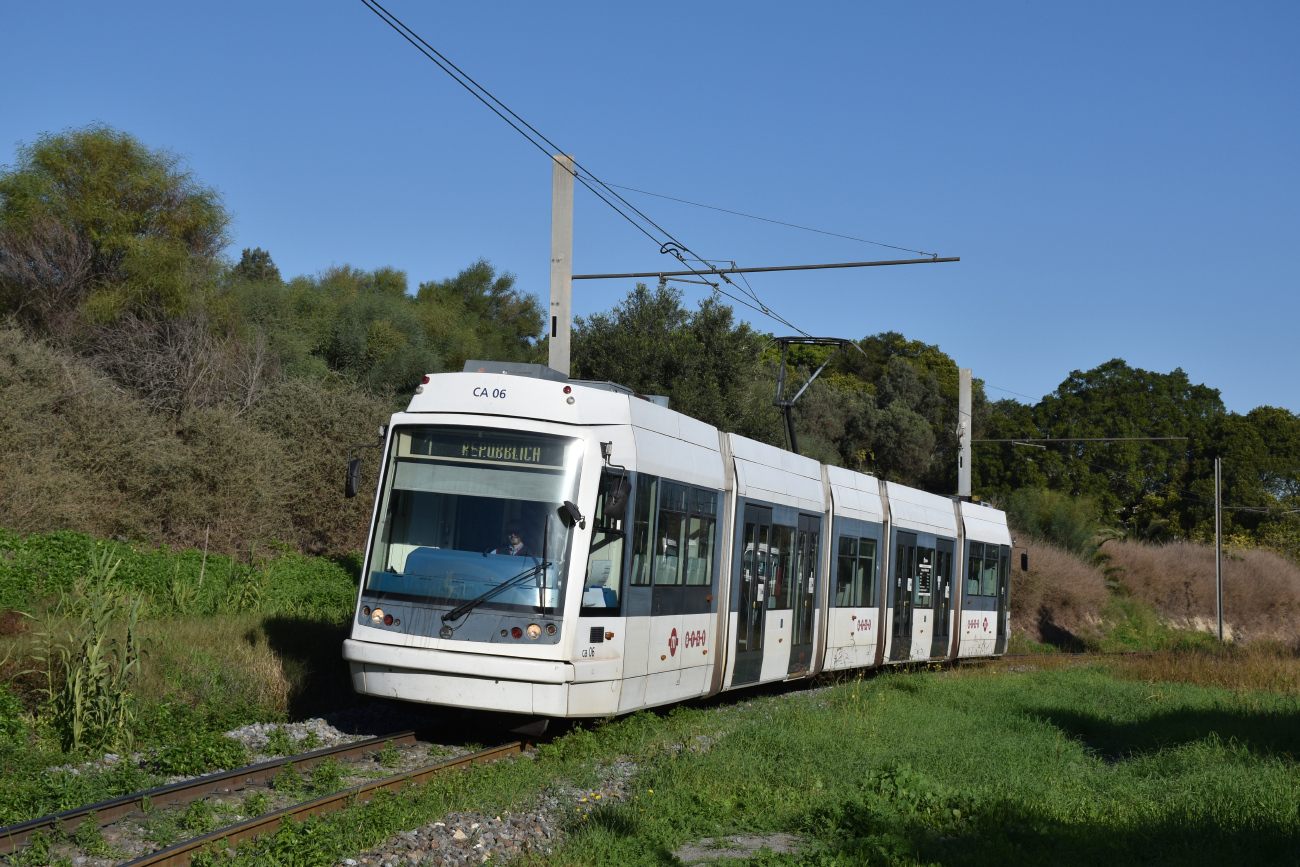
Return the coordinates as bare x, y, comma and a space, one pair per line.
1024, 561
353, 483
616, 500
575, 516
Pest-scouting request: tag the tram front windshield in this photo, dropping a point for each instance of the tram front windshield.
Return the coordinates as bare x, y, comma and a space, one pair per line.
466, 509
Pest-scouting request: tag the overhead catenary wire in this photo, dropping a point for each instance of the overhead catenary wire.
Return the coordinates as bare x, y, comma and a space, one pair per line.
770, 220
666, 241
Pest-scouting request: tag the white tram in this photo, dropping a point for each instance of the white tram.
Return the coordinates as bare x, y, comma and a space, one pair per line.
571, 549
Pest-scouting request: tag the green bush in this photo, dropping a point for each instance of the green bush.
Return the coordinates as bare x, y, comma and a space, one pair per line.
200, 753
37, 565
13, 729
1051, 516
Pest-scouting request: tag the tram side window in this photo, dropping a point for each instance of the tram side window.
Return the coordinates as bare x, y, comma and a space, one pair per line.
855, 579
846, 572
782, 559
647, 487
975, 569
600, 591
867, 570
700, 537
990, 583
670, 534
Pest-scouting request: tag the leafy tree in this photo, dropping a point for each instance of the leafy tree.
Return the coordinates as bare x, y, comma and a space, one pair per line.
480, 314
1051, 516
1148, 490
704, 361
256, 265
153, 231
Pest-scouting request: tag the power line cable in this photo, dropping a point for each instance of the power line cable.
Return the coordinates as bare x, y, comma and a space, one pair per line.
769, 220
670, 246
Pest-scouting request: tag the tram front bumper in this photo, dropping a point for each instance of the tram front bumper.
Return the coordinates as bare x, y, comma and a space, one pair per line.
481, 665
475, 680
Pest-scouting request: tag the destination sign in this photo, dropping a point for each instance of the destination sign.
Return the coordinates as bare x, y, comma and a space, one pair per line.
471, 446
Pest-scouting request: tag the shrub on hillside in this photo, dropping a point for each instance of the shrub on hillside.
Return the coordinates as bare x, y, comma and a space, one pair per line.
1051, 516
316, 422
1261, 590
1059, 600
83, 454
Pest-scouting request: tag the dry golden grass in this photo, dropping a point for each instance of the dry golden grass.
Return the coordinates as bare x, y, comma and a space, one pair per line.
1059, 600
1263, 666
1261, 590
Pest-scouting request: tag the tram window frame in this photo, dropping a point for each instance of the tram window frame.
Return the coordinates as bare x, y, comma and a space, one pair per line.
989, 582
974, 568
862, 580
606, 532
693, 513
671, 522
781, 597
647, 492
701, 537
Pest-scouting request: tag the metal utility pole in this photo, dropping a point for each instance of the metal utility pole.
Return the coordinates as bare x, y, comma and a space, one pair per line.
561, 261
963, 434
1218, 543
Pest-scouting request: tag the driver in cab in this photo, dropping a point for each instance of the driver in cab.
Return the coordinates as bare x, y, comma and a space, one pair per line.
514, 546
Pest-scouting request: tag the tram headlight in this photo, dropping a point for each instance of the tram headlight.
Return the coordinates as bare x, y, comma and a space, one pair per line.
388, 620
550, 629
365, 611
516, 632
534, 631
377, 616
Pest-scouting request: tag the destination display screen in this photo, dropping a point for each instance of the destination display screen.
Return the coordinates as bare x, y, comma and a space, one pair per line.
472, 446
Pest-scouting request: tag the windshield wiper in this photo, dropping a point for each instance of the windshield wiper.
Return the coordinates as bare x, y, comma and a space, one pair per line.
466, 607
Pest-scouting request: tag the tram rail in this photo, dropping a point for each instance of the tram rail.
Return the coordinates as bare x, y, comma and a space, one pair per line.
186, 791
109, 812
179, 854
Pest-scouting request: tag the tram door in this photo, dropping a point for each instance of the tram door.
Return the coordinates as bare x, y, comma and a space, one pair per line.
1004, 563
942, 599
805, 594
900, 592
756, 561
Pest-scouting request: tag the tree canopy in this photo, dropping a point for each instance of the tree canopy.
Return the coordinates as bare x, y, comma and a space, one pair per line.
152, 230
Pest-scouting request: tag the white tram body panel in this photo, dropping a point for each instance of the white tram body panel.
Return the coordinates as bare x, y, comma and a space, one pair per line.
568, 549
929, 521
853, 621
984, 616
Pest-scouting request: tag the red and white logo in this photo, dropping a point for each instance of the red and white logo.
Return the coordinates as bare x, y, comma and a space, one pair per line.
986, 624
672, 643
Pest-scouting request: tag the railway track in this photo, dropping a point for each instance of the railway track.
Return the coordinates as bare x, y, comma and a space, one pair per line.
110, 812
105, 813
180, 853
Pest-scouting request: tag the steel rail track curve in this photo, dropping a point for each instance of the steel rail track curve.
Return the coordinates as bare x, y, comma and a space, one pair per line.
175, 856
108, 812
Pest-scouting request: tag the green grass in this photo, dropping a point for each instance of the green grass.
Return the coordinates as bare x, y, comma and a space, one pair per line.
36, 566
248, 645
1068, 766
1131, 624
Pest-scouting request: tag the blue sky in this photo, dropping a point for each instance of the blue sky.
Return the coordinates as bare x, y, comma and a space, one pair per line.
1120, 179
